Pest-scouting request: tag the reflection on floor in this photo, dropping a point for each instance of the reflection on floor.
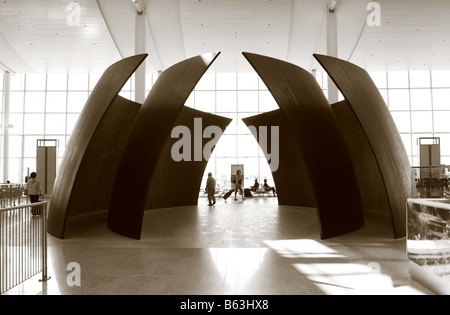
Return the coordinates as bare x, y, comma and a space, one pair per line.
250, 247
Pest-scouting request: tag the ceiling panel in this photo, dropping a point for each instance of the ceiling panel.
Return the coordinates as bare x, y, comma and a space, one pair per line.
35, 35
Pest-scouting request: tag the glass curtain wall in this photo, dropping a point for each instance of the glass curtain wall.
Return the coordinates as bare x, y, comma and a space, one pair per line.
47, 106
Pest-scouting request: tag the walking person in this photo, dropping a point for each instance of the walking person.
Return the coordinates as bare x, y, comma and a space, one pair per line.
211, 189
239, 181
34, 191
34, 188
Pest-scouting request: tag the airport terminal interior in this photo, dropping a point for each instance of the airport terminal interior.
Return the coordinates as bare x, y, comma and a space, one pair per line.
357, 196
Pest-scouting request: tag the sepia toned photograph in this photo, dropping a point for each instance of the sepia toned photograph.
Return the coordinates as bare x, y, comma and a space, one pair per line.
224, 155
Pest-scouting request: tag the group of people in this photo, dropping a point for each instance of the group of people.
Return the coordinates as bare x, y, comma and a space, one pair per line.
238, 181
266, 187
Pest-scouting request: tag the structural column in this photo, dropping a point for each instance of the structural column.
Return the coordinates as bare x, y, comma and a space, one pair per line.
140, 48
332, 48
6, 110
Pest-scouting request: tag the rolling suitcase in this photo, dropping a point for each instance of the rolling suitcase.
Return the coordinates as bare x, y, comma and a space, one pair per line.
227, 194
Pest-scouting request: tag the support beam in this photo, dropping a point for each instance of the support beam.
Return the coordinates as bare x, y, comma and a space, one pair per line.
140, 48
6, 110
332, 49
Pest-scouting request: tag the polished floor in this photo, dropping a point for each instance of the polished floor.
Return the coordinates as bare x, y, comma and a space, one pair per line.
249, 247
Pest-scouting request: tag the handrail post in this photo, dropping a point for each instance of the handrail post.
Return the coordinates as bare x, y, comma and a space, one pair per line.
45, 277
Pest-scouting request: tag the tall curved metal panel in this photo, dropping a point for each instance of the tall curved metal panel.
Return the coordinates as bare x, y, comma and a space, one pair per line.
370, 109
373, 191
291, 177
319, 140
93, 184
98, 103
150, 132
176, 184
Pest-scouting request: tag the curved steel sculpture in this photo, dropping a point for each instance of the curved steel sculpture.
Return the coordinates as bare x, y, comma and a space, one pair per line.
103, 112
371, 186
150, 133
176, 184
291, 177
319, 140
382, 134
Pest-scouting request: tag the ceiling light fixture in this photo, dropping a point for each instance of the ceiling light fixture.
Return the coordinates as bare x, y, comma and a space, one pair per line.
139, 6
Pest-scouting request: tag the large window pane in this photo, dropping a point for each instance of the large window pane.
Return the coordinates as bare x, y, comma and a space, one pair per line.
226, 101
34, 102
440, 78
76, 101
93, 79
399, 99
247, 81
56, 102
247, 146
398, 79
205, 101
445, 143
441, 99
419, 79
71, 121
232, 126
15, 170
15, 146
267, 102
78, 82
379, 78
207, 82
248, 101
227, 146
406, 138
384, 94
16, 102
190, 102
34, 124
55, 124
442, 121
402, 121
420, 99
422, 122
242, 127
226, 81
29, 147
17, 82
16, 122
36, 82
56, 82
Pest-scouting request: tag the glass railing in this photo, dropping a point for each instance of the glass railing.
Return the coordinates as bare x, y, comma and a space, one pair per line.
431, 181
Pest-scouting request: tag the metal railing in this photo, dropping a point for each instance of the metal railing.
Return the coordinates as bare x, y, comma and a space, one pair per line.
23, 244
12, 195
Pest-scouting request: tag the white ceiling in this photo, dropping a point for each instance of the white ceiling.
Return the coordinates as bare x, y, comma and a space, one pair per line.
36, 37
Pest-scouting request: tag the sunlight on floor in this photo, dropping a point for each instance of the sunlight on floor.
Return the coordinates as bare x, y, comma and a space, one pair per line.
333, 273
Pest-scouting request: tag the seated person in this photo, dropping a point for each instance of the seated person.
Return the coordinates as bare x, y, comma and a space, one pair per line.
268, 188
255, 185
